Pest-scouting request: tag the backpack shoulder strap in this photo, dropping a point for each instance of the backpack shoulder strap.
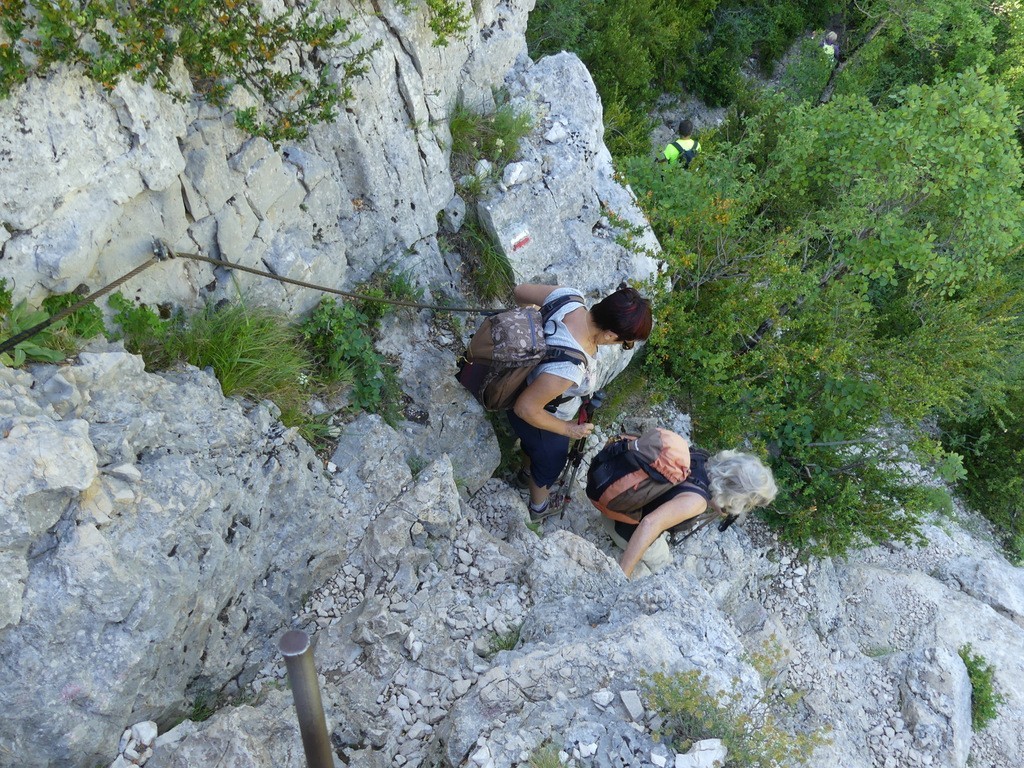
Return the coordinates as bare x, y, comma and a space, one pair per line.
678, 146
550, 308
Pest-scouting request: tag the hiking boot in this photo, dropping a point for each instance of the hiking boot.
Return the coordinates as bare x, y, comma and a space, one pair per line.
547, 509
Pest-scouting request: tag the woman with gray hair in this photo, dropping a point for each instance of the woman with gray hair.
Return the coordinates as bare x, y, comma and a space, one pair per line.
730, 482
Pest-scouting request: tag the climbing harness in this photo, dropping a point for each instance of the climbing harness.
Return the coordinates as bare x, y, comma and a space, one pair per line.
163, 252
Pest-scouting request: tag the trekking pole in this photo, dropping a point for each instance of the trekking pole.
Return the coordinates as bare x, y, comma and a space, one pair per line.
309, 708
572, 467
702, 521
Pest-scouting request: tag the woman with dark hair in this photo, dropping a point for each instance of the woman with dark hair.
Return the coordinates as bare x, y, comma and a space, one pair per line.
543, 415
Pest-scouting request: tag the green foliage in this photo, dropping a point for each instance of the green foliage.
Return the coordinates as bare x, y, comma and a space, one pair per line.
6, 297
992, 440
448, 19
343, 354
807, 71
486, 265
83, 323
505, 642
985, 700
43, 347
494, 137
822, 266
56, 341
204, 706
144, 332
545, 756
693, 710
387, 286
222, 44
627, 130
634, 50
416, 464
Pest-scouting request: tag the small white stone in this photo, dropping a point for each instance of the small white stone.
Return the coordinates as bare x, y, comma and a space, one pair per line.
145, 732
602, 698
658, 760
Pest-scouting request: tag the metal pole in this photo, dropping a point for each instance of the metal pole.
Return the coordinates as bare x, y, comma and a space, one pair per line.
298, 658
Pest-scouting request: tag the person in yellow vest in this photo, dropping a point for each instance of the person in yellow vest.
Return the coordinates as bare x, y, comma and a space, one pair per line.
685, 148
830, 45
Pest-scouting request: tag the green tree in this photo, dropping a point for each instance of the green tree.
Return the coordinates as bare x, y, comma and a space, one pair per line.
825, 265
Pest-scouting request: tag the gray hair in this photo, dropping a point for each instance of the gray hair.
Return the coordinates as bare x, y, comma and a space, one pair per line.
739, 482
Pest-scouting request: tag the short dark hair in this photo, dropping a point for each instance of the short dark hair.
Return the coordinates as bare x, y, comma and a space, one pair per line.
625, 313
685, 127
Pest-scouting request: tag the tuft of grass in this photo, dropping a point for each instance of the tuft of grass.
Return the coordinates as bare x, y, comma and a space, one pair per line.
386, 285
985, 700
505, 642
545, 756
416, 464
488, 268
494, 137
254, 351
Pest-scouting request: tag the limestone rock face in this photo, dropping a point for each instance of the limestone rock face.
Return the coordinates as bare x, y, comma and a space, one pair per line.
90, 178
552, 213
157, 534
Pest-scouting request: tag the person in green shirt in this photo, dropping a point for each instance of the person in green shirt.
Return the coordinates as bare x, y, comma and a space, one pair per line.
830, 45
685, 148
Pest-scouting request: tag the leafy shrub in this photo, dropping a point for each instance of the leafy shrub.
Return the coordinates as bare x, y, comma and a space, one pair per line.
145, 333
692, 710
627, 130
634, 50
42, 347
223, 45
343, 354
807, 71
53, 343
985, 700
992, 441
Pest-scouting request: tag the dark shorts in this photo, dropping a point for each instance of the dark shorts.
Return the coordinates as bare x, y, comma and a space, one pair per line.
547, 451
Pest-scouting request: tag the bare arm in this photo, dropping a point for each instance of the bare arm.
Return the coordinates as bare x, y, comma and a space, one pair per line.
530, 407
672, 512
533, 293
